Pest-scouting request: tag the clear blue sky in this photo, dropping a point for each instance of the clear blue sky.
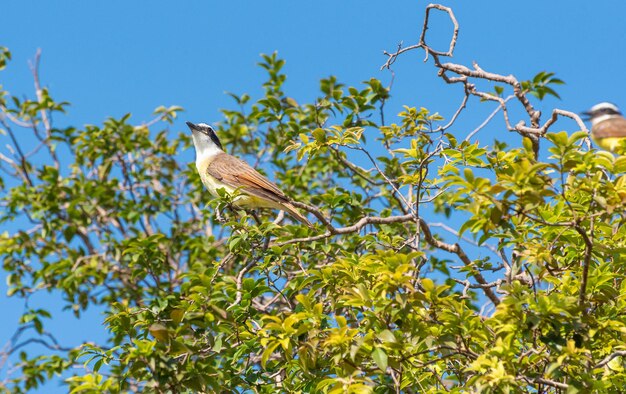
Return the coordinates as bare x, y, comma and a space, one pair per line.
110, 58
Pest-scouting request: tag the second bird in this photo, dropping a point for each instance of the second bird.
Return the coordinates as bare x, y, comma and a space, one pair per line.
608, 126
218, 169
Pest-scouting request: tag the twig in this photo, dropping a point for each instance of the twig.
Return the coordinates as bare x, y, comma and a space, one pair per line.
21, 157
547, 382
353, 167
489, 118
34, 68
239, 282
389, 181
607, 359
455, 33
463, 75
586, 262
456, 114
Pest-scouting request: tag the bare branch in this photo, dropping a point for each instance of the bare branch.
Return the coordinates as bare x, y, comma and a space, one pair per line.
34, 68
456, 114
239, 281
23, 166
488, 119
464, 74
409, 206
607, 359
547, 382
586, 261
455, 33
362, 173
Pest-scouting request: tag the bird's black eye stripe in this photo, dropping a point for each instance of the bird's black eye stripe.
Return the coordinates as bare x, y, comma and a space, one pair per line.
214, 138
608, 111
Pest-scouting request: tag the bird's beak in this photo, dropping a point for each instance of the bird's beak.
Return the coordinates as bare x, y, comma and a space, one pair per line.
191, 126
586, 115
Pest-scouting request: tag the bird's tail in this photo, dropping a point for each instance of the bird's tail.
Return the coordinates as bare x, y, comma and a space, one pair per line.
293, 211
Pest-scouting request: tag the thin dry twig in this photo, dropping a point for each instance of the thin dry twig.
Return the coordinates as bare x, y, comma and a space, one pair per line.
464, 74
45, 118
488, 119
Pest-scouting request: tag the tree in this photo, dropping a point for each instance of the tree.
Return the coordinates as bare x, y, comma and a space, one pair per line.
384, 295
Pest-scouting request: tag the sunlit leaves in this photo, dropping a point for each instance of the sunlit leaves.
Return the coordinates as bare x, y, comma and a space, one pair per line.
261, 303
168, 114
5, 57
539, 85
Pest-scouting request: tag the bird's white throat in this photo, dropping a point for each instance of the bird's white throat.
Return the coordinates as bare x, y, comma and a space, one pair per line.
205, 148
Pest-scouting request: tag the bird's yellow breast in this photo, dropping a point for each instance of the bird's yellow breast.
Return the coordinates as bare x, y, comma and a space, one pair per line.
613, 144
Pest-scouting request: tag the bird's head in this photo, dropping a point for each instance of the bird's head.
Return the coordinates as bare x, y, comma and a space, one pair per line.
601, 111
204, 138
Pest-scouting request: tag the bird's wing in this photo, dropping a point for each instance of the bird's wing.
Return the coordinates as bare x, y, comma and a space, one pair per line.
238, 174
610, 128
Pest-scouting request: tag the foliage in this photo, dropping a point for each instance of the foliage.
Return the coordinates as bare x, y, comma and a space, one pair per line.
538, 86
526, 295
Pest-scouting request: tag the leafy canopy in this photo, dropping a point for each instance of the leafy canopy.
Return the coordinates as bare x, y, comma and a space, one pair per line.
443, 266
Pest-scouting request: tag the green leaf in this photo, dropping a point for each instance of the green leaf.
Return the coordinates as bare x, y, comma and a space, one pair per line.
380, 358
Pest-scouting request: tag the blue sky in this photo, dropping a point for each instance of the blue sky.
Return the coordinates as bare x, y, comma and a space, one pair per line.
110, 58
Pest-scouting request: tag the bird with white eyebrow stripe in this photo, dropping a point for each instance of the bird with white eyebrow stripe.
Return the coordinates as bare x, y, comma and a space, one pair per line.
608, 126
218, 170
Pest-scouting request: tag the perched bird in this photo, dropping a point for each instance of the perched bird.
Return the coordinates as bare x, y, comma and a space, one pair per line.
218, 169
608, 126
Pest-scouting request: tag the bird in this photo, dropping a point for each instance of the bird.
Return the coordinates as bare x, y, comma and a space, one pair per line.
608, 126
218, 170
